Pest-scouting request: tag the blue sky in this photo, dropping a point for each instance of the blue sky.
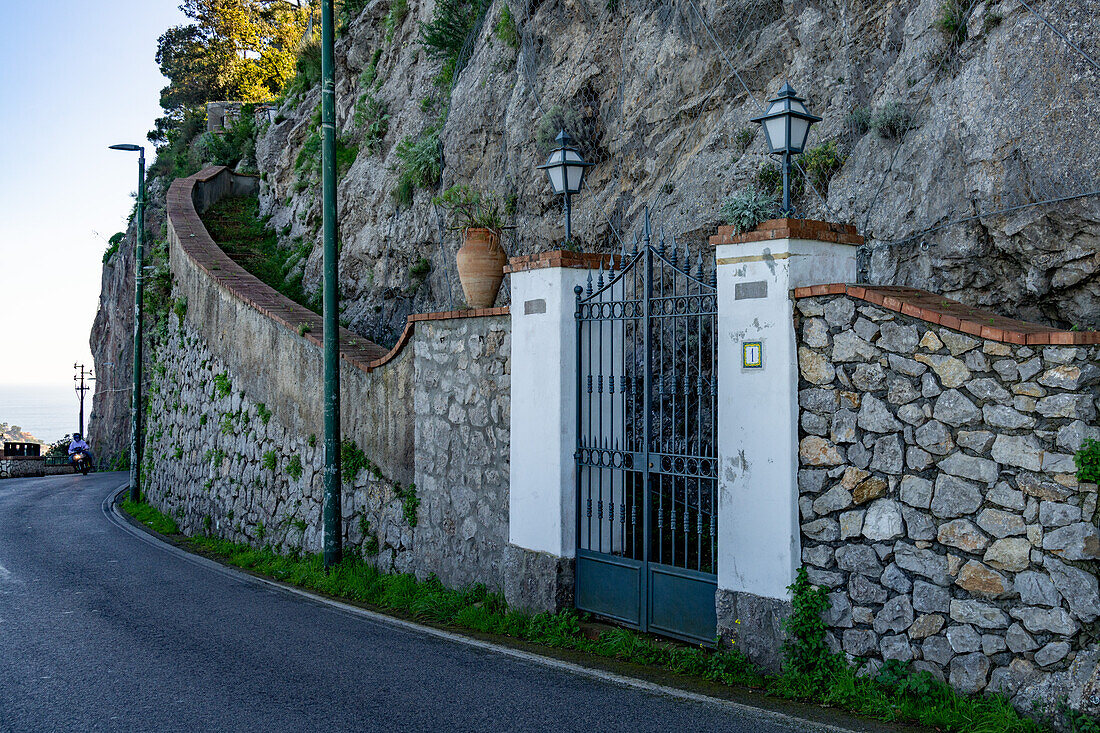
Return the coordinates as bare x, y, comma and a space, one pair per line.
75, 77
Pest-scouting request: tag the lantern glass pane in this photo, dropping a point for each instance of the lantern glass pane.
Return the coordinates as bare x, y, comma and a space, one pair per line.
777, 132
800, 130
798, 107
557, 178
778, 105
574, 177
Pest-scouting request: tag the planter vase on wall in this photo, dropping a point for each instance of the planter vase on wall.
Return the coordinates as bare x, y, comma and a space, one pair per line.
481, 263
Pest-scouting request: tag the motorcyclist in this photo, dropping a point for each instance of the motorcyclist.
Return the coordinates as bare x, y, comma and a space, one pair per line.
78, 444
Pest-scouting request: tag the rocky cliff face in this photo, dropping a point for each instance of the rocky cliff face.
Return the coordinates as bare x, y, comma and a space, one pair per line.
937, 126
112, 337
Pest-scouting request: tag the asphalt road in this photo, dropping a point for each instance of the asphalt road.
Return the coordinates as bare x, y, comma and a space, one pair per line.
101, 630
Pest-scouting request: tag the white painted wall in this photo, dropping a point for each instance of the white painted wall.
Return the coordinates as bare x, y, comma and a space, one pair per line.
758, 528
542, 498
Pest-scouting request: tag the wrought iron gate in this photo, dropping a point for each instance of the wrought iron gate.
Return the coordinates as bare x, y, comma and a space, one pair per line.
647, 419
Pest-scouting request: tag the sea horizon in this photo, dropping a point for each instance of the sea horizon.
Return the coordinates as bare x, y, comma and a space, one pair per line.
46, 411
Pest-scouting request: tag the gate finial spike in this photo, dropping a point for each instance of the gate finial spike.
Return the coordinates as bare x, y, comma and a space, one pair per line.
699, 268
635, 252
611, 266
599, 280
589, 289
661, 242
648, 231
674, 252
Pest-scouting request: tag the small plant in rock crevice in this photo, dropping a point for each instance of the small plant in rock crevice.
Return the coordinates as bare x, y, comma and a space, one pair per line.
294, 467
222, 385
748, 208
268, 460
891, 121
1087, 460
952, 21
505, 28
420, 164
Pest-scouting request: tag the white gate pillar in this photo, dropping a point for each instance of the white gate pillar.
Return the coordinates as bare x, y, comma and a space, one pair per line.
758, 524
538, 572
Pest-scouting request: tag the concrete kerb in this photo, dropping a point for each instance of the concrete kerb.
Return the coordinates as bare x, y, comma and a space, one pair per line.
115, 515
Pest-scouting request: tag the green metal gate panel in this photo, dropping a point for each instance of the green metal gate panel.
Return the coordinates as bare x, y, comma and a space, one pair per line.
646, 455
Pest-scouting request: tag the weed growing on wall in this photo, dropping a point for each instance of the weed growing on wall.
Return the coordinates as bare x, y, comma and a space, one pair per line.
222, 385
268, 460
1088, 461
263, 412
807, 658
294, 467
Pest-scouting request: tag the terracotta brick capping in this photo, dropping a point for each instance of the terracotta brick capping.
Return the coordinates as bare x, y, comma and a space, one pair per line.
952, 314
822, 231
195, 241
559, 258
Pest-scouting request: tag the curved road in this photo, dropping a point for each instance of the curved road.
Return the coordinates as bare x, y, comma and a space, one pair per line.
100, 630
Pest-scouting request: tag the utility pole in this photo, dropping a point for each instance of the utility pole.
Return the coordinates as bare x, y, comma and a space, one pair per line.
81, 375
332, 520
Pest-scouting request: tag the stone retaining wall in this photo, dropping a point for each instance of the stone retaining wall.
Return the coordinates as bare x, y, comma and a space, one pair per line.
221, 462
234, 433
939, 499
23, 466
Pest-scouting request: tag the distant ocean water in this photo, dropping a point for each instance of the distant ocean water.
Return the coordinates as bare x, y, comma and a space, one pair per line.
45, 411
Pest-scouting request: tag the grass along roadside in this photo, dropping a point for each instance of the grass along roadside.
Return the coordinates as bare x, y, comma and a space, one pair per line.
894, 693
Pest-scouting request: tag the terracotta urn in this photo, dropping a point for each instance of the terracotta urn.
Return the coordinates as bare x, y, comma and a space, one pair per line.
481, 263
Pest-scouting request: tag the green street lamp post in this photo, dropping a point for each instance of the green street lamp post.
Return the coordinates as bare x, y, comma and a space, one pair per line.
331, 507
786, 126
139, 287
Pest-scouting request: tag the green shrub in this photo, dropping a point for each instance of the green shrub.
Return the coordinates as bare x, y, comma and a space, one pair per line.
892, 120
395, 16
584, 130
805, 652
307, 69
236, 225
294, 467
350, 10
1088, 461
743, 139
821, 163
420, 164
263, 412
236, 146
419, 271
470, 208
952, 21
748, 208
505, 28
373, 116
369, 78
444, 37
859, 120
268, 461
112, 246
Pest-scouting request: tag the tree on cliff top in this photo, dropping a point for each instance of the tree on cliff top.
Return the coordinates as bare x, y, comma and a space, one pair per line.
235, 49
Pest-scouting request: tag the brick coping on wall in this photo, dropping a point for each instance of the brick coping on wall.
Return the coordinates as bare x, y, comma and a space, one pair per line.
559, 258
200, 247
822, 231
952, 314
